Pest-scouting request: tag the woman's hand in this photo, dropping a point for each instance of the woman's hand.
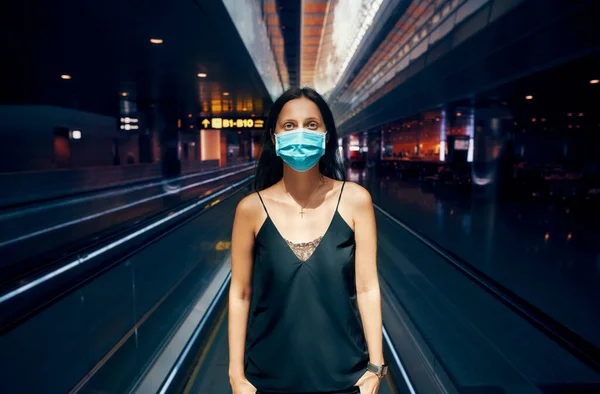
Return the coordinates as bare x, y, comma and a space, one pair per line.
241, 385
368, 383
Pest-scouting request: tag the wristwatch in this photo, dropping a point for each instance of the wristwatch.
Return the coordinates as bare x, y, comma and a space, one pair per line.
379, 370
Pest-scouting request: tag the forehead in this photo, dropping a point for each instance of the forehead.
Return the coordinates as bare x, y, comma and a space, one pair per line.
300, 108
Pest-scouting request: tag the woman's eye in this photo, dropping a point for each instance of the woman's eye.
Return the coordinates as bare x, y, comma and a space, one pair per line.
288, 126
313, 125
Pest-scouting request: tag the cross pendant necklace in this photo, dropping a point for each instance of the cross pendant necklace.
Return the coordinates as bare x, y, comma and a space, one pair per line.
311, 196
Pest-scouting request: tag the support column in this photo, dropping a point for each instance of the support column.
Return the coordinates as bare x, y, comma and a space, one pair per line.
256, 140
160, 139
443, 139
170, 149
492, 151
210, 142
457, 138
373, 149
223, 148
147, 132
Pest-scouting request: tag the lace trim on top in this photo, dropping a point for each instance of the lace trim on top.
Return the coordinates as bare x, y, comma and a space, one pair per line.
303, 250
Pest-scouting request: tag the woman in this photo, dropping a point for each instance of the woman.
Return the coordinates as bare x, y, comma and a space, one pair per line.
304, 301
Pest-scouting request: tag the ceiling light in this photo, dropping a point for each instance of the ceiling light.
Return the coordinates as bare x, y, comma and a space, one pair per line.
594, 81
201, 75
529, 97
458, 114
65, 76
76, 134
225, 93
156, 40
124, 94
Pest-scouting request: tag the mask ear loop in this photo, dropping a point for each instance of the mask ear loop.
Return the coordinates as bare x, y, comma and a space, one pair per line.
274, 137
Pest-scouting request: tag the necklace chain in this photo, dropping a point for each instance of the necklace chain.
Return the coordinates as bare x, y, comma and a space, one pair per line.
307, 201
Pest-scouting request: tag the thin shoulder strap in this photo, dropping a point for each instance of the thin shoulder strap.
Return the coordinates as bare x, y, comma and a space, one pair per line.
340, 197
263, 203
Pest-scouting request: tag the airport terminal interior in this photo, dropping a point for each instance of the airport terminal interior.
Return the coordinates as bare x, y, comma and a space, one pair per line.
131, 130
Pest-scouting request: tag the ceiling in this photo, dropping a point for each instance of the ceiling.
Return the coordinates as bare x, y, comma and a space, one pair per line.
313, 25
377, 60
105, 48
290, 20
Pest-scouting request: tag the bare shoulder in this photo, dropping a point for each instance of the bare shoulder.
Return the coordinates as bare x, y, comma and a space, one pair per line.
357, 196
249, 206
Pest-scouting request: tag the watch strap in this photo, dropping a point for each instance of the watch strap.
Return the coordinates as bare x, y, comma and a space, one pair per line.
379, 370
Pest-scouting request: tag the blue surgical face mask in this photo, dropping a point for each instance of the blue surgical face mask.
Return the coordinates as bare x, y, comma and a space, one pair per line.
301, 149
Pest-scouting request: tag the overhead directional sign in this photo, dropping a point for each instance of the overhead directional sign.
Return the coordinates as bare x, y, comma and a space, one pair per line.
231, 123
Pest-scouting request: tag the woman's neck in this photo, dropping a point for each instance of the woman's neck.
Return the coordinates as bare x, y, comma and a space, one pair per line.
301, 184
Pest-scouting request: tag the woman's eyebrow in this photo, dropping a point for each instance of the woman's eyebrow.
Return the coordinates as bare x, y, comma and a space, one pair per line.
305, 120
312, 118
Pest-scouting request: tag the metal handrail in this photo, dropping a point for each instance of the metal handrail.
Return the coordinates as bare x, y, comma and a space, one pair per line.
84, 258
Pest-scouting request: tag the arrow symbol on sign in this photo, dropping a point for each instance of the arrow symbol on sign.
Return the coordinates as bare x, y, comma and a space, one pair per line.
205, 123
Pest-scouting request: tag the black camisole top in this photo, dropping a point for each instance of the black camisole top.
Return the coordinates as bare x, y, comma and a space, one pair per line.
304, 332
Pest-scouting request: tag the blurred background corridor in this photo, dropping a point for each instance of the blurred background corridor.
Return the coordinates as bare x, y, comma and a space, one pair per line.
130, 130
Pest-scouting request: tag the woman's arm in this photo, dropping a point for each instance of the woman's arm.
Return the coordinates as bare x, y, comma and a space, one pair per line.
367, 282
240, 290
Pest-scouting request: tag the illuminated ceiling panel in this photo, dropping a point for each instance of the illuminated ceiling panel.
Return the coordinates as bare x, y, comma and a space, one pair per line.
398, 36
346, 23
333, 31
421, 25
313, 15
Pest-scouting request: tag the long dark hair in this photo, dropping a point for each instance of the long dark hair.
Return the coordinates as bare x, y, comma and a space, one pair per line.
269, 169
